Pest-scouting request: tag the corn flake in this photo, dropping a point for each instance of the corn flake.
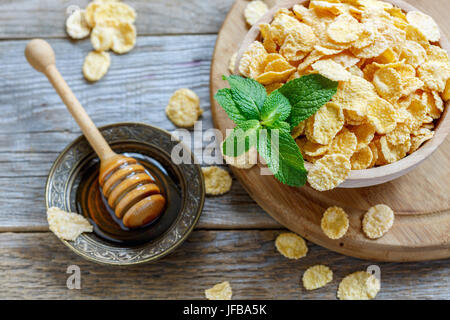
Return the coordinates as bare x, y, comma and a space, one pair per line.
382, 115
95, 65
434, 75
110, 13
251, 64
362, 159
67, 225
334, 223
76, 25
328, 172
355, 94
217, 181
323, 126
254, 11
184, 108
377, 221
364, 134
388, 83
232, 63
316, 277
413, 53
344, 144
220, 291
344, 29
359, 285
102, 38
291, 246
331, 70
124, 38
425, 23
420, 137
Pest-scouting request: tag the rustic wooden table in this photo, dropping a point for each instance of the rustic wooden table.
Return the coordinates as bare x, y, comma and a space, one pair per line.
234, 239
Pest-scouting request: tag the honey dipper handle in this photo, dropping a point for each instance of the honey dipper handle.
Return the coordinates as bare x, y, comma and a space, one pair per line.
41, 57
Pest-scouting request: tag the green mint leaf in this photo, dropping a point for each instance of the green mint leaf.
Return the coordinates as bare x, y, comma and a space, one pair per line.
281, 125
306, 95
248, 94
225, 99
275, 108
282, 156
242, 138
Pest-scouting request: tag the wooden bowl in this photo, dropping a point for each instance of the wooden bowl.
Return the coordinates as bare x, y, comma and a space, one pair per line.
376, 175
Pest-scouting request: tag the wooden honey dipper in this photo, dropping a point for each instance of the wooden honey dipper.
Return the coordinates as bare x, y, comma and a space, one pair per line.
130, 191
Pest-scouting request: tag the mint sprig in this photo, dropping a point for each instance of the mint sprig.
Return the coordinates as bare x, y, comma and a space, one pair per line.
266, 121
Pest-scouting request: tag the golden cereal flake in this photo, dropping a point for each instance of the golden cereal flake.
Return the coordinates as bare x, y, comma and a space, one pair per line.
424, 23
232, 63
434, 75
378, 46
446, 93
298, 130
217, 181
435, 53
334, 223
96, 64
377, 221
314, 149
359, 285
102, 38
124, 38
329, 171
323, 126
344, 29
344, 143
220, 291
90, 11
420, 137
382, 115
184, 108
275, 71
364, 134
291, 245
388, 83
245, 161
355, 94
76, 25
374, 150
400, 135
254, 11
67, 225
362, 159
316, 277
413, 53
331, 70
394, 152
252, 64
113, 12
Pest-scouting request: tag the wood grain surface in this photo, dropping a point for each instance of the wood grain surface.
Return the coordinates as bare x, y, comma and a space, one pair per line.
422, 226
174, 50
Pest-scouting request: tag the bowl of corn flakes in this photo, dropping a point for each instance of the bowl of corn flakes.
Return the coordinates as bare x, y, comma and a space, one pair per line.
390, 60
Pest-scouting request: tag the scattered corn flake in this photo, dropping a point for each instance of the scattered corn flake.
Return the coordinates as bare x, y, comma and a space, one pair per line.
420, 137
377, 221
76, 25
316, 277
95, 65
254, 11
359, 285
251, 64
184, 108
217, 181
328, 172
382, 115
425, 23
388, 83
67, 225
90, 11
331, 70
344, 29
362, 159
344, 144
112, 12
334, 223
220, 291
434, 75
124, 37
232, 63
102, 38
245, 161
323, 126
291, 245
413, 53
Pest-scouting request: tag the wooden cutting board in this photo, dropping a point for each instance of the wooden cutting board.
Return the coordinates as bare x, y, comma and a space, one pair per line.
420, 199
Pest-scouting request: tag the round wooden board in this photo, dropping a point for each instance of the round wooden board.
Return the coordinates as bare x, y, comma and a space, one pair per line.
420, 199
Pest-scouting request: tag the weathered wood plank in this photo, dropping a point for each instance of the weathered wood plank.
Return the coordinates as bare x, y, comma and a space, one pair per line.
35, 126
46, 18
33, 265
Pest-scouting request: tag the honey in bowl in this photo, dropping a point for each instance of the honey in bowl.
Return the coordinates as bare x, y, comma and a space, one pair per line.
91, 202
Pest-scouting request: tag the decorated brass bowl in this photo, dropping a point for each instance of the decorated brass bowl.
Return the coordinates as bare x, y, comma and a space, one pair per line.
72, 186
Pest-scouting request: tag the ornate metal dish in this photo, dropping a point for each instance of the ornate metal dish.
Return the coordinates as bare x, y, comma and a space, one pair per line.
64, 179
